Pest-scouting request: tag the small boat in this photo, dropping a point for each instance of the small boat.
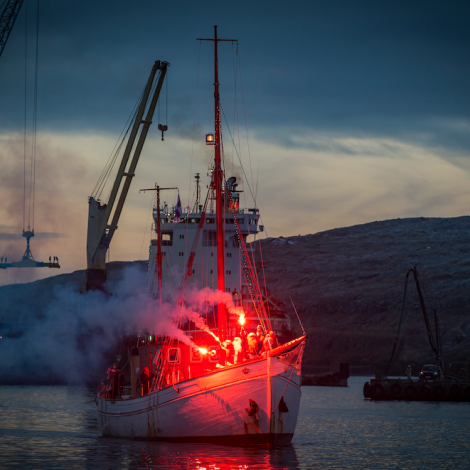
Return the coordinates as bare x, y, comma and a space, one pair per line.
211, 379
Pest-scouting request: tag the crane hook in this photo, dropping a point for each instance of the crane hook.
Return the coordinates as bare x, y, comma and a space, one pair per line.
163, 128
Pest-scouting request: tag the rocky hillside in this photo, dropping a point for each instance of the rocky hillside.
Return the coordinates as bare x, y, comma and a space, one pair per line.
347, 285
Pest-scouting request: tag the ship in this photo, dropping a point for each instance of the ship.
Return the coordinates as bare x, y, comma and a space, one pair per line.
226, 375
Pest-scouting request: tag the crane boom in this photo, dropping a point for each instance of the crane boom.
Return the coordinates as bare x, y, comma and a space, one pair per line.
7, 20
100, 233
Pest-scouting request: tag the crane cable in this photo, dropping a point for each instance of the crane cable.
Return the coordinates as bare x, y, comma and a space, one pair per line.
29, 206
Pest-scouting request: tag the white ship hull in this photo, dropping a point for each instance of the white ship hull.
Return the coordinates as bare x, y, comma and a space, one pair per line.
213, 407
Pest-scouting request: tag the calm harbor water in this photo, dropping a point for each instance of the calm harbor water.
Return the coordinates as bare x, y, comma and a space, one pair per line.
56, 427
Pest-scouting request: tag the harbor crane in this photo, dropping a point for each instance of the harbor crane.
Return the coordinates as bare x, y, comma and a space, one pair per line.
434, 338
100, 231
7, 20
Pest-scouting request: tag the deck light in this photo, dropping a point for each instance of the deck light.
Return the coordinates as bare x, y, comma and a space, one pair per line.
209, 139
241, 319
203, 350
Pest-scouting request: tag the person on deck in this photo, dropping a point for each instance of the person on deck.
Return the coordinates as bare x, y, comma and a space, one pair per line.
270, 342
238, 350
144, 380
227, 347
408, 373
252, 349
117, 383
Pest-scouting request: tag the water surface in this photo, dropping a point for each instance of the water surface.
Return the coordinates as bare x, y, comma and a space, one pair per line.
56, 427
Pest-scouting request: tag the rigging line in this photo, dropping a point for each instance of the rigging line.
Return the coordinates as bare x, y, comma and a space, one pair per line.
246, 123
254, 275
119, 141
25, 109
288, 381
234, 66
298, 318
166, 104
35, 112
239, 159
139, 133
194, 123
264, 278
249, 273
257, 179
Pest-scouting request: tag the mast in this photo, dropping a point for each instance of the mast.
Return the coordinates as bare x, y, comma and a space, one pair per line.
218, 186
221, 315
159, 257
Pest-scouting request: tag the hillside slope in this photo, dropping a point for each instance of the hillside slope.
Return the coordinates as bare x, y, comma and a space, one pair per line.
348, 286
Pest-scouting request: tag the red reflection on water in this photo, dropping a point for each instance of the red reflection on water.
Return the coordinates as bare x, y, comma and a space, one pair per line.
215, 457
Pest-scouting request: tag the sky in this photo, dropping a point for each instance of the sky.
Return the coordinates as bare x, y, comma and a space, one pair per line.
342, 113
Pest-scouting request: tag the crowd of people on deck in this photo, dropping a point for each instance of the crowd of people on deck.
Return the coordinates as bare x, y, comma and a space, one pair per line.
246, 346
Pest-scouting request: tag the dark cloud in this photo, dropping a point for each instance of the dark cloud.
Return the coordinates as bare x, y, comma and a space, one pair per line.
350, 67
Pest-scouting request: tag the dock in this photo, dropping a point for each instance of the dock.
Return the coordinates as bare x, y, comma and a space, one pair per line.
417, 390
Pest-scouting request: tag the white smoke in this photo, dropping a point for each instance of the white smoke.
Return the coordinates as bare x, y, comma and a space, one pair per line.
70, 342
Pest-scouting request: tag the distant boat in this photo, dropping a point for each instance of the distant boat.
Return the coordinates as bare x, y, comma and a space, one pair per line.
218, 383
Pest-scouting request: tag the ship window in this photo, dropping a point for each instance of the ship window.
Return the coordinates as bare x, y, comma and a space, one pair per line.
181, 237
181, 253
229, 255
253, 221
167, 238
210, 221
194, 221
241, 221
174, 355
227, 289
211, 271
195, 355
210, 238
228, 272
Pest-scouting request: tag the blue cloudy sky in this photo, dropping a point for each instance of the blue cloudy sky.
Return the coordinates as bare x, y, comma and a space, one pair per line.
356, 111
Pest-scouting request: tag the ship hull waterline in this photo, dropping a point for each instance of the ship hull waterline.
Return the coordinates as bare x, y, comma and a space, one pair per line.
216, 407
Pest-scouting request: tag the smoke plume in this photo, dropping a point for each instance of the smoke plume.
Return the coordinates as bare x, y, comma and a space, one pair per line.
72, 340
